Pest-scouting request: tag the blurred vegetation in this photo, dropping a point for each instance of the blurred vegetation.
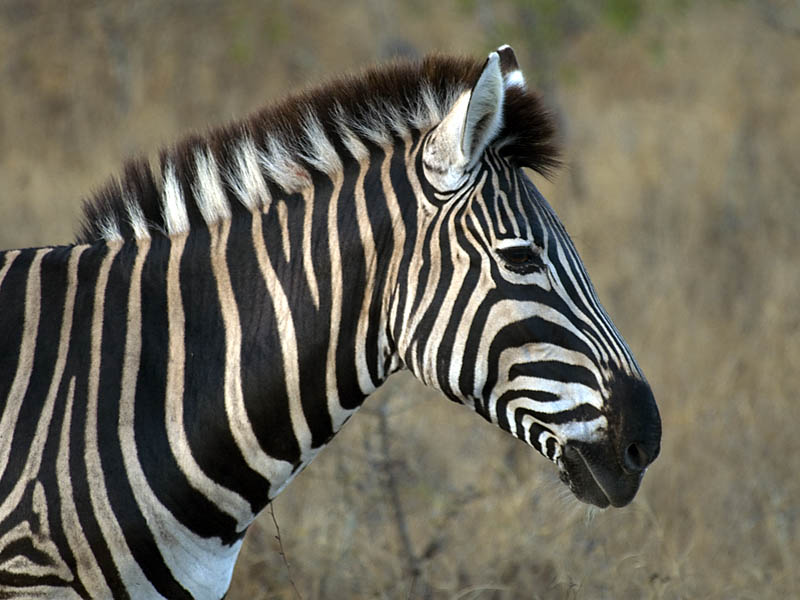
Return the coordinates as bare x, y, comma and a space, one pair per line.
682, 192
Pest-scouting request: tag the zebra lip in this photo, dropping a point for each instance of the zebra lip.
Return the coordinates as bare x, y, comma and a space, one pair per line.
595, 480
580, 478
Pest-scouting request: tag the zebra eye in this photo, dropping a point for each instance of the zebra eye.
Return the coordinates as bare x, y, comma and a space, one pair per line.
521, 259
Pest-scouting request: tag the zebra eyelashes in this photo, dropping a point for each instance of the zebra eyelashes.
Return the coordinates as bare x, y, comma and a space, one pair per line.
521, 258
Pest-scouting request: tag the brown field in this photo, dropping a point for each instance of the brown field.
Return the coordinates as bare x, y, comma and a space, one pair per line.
681, 126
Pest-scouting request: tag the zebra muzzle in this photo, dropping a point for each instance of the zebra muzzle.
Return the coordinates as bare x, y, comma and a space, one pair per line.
595, 476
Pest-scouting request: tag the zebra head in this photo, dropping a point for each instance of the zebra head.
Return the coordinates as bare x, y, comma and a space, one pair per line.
501, 314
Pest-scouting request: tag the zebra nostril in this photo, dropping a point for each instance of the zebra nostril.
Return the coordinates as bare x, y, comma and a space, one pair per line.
636, 458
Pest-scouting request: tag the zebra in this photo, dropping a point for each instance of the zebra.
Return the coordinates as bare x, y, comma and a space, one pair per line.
227, 307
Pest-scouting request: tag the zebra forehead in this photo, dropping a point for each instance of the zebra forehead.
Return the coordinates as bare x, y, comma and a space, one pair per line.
309, 131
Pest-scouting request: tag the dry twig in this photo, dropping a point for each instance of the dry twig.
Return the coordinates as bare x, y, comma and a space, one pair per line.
392, 488
282, 552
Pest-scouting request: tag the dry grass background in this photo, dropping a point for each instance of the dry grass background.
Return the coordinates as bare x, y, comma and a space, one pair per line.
682, 192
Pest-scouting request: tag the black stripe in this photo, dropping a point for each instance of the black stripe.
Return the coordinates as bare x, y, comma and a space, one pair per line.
12, 299
403, 190
556, 371
315, 324
534, 431
582, 413
384, 240
263, 376
205, 419
353, 290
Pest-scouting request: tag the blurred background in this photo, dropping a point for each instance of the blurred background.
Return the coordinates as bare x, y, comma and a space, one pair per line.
681, 127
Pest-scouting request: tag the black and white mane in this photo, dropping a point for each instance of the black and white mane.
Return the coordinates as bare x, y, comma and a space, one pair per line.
307, 132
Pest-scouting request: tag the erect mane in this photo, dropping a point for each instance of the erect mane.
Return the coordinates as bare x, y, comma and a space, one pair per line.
282, 144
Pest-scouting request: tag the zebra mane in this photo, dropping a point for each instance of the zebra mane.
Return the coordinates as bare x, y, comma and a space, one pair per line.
277, 149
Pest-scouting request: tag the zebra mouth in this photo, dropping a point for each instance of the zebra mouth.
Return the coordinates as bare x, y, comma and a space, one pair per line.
594, 480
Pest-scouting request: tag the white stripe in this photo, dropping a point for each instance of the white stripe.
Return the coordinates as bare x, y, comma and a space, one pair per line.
592, 318
50, 564
467, 317
570, 395
283, 223
584, 431
427, 370
308, 258
398, 248
527, 421
519, 186
552, 234
423, 215
337, 413
499, 193
612, 339
365, 382
606, 338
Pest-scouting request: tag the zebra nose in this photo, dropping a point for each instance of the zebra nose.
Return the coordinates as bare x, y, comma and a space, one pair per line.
638, 455
636, 424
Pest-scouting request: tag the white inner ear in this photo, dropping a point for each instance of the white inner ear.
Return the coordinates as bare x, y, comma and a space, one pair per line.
472, 123
485, 112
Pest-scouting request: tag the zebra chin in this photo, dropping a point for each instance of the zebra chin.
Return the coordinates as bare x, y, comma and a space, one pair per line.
595, 476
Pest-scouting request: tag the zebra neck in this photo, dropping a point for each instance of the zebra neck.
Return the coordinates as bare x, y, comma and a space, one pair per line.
292, 313
189, 378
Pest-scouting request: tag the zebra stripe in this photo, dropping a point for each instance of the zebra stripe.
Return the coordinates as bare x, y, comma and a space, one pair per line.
87, 570
27, 347
269, 468
227, 500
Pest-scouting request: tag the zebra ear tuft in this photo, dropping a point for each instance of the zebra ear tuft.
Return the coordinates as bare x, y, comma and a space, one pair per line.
512, 75
472, 123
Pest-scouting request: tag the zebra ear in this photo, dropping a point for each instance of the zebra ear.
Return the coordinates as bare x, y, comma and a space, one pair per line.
472, 123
